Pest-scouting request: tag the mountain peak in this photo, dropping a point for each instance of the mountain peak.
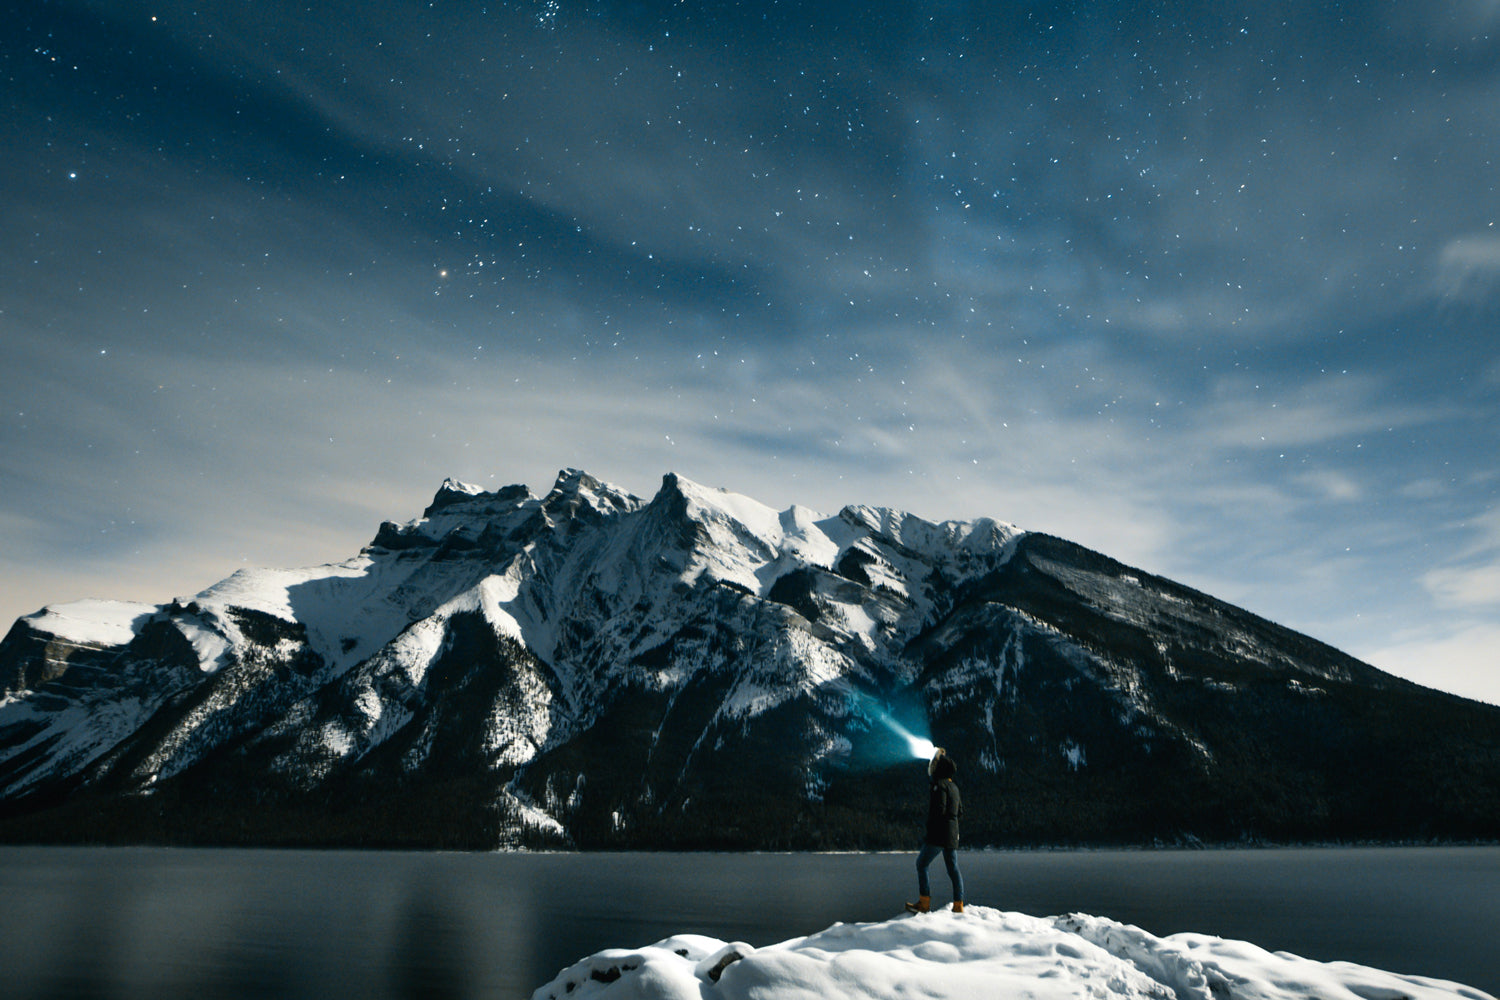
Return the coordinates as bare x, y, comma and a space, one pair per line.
454, 491
720, 502
574, 481
576, 492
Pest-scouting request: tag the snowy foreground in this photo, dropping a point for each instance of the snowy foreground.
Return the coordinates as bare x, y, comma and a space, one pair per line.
980, 953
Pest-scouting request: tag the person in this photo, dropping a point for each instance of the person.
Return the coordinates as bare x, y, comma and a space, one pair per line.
944, 807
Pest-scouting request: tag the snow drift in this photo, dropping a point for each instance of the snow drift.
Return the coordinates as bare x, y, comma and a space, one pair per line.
982, 952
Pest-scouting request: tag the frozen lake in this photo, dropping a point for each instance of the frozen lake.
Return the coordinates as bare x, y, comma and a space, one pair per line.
162, 923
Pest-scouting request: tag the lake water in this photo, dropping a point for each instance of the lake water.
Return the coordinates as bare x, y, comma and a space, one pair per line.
128, 923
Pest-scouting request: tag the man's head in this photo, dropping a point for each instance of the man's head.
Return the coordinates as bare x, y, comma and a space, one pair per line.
941, 766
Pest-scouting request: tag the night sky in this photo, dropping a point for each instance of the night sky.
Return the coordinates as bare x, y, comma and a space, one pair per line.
1211, 288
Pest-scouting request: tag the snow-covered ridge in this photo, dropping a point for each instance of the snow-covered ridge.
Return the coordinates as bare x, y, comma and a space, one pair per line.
91, 622
585, 559
371, 597
982, 952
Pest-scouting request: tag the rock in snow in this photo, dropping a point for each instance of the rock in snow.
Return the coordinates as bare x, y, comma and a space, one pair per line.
982, 952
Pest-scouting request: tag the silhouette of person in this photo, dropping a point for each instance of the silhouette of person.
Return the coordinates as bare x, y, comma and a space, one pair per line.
944, 807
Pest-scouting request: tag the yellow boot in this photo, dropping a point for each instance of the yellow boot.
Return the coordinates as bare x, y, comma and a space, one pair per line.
922, 905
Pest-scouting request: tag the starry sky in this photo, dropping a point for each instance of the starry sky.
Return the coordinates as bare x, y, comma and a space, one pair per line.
1211, 288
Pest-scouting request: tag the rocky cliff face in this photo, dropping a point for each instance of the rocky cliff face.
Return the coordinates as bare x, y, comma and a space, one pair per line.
699, 670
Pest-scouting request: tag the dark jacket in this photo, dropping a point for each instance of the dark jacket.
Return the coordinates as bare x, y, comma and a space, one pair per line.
944, 806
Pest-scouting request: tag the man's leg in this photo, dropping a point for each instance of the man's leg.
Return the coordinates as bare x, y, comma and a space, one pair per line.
924, 888
950, 858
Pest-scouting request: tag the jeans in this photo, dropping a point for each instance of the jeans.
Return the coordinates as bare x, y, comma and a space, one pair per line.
950, 858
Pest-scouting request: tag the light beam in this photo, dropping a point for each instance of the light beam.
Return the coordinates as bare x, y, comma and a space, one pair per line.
920, 747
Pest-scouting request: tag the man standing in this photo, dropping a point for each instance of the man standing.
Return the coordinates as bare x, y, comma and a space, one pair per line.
944, 807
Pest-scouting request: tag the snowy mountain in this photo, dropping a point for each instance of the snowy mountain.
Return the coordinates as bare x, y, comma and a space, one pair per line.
700, 670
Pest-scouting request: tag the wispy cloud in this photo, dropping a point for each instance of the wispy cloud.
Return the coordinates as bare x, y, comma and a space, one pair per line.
1466, 24
1246, 414
1470, 581
1331, 484
1465, 587
1468, 268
